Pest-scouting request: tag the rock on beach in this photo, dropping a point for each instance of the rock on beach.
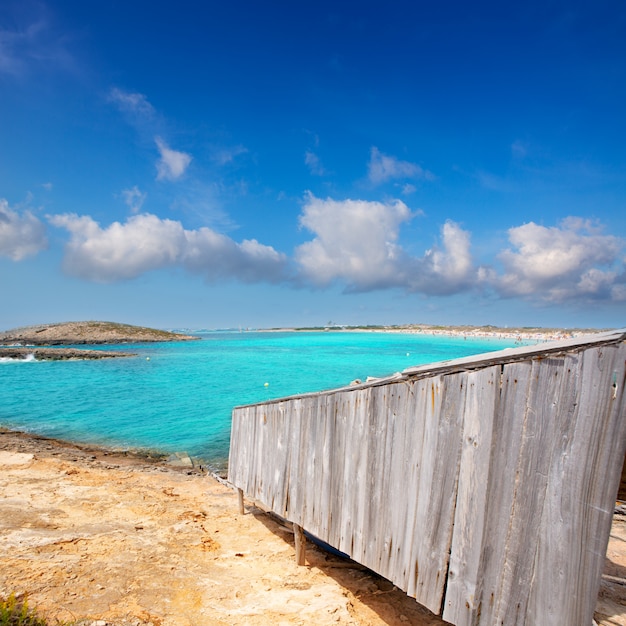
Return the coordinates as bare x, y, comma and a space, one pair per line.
58, 354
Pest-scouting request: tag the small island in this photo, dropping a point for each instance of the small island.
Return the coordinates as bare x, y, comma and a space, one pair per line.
41, 341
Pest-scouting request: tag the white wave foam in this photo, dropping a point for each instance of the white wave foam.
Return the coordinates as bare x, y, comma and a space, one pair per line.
29, 358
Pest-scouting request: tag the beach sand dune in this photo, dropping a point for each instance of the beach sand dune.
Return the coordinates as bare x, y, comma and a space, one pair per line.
111, 538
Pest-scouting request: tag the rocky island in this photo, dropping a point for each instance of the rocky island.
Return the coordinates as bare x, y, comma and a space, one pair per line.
42, 341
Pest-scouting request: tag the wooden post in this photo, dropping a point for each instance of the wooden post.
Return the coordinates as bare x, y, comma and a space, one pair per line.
240, 500
298, 534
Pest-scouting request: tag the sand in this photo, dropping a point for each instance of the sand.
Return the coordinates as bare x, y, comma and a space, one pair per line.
112, 538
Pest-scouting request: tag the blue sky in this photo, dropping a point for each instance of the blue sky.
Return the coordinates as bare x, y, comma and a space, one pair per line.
248, 164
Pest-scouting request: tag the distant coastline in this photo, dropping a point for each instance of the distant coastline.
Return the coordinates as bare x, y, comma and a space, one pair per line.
468, 331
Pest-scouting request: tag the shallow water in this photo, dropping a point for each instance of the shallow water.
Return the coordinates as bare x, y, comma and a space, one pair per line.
176, 397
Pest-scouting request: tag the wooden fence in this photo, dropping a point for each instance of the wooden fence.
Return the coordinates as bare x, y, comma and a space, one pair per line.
484, 487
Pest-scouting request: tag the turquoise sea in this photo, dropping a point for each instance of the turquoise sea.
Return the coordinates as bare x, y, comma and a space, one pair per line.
178, 397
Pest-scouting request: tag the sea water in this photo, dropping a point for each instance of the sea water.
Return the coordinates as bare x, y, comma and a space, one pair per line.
178, 397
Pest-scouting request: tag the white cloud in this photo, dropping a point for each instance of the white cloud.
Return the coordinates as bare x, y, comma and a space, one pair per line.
134, 198
571, 260
382, 168
20, 235
223, 156
146, 242
131, 102
216, 256
448, 268
355, 242
172, 164
35, 45
11, 61
120, 251
314, 164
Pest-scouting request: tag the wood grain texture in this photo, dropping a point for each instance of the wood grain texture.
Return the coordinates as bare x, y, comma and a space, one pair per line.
482, 487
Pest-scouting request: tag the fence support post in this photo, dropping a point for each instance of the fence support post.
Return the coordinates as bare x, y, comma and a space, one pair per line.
240, 500
298, 533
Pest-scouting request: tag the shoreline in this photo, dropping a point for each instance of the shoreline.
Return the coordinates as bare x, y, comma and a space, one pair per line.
33, 442
480, 332
51, 336
37, 353
521, 334
45, 352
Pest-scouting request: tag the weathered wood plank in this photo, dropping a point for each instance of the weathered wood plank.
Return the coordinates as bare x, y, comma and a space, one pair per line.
462, 601
308, 436
343, 469
423, 408
402, 489
390, 488
540, 425
505, 491
278, 431
293, 500
443, 404
295, 506
352, 540
376, 442
580, 492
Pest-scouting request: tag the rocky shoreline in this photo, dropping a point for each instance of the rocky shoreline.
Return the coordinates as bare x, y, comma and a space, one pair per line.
40, 343
58, 354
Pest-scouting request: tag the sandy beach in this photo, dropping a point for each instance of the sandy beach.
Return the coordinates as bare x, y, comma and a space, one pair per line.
518, 335
112, 538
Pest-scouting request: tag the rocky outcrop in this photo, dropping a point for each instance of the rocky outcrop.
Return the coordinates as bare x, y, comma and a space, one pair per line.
57, 354
87, 333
